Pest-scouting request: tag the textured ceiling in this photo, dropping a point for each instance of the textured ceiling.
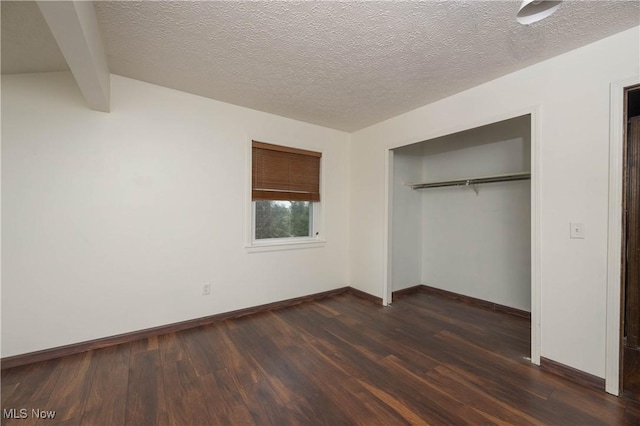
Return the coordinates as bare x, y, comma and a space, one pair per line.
344, 65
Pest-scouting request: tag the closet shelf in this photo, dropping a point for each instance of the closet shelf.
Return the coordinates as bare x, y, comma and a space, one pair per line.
473, 181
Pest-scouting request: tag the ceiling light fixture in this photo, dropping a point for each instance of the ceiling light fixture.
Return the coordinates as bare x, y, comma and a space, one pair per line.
536, 10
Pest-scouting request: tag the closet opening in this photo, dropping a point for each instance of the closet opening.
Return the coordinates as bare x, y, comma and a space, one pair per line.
460, 218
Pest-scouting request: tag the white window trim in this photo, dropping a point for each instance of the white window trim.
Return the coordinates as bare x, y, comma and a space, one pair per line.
274, 244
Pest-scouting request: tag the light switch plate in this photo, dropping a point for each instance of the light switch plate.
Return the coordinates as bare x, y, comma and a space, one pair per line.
577, 230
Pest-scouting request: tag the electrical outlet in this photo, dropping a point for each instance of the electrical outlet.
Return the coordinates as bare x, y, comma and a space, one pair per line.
206, 289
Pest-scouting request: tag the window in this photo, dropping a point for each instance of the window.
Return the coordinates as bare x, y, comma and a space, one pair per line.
283, 219
285, 193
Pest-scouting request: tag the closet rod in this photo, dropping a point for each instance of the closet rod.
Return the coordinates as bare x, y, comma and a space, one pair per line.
473, 181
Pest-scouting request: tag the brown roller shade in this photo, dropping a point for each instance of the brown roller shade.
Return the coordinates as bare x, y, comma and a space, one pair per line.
283, 173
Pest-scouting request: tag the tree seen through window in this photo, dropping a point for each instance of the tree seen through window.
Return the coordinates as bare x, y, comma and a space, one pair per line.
282, 219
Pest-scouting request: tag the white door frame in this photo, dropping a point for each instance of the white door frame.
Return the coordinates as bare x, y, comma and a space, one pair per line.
614, 237
388, 221
534, 112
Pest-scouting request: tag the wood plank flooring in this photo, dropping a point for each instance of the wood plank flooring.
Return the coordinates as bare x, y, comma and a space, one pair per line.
336, 361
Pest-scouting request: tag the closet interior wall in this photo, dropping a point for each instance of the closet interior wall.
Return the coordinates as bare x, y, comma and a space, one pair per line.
452, 239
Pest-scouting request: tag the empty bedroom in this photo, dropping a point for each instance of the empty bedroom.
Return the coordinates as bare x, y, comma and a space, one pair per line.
320, 212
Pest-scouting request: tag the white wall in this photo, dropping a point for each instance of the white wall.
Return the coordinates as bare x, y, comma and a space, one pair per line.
572, 93
479, 245
407, 218
112, 222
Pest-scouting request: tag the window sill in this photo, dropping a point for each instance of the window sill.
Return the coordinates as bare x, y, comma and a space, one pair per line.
284, 245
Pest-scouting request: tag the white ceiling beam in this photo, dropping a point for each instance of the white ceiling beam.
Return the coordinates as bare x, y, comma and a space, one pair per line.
75, 27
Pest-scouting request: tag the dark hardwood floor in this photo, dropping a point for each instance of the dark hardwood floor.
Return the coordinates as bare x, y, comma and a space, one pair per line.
340, 360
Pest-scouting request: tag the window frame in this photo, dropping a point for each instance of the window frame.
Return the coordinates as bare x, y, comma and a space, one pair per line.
316, 238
